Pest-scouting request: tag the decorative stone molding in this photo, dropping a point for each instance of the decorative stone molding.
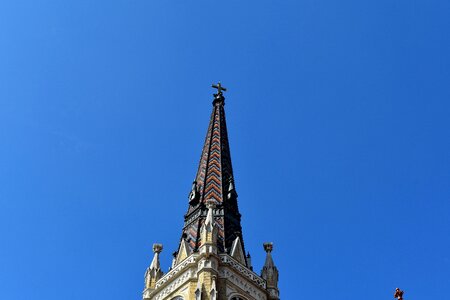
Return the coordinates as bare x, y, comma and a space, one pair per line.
247, 273
180, 280
176, 270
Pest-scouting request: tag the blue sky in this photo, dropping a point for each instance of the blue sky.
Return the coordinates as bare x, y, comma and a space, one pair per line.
338, 116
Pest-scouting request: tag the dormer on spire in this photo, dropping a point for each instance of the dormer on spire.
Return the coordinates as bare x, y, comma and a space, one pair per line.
154, 273
193, 195
270, 273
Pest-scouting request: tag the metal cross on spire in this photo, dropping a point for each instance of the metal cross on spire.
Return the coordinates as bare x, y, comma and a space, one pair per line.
219, 88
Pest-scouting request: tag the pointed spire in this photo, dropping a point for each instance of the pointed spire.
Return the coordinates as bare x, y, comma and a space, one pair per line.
270, 272
214, 180
268, 247
215, 170
154, 272
157, 249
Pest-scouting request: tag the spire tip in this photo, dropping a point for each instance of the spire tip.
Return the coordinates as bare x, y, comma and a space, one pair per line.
218, 98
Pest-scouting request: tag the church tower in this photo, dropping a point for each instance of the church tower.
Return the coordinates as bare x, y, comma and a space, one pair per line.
210, 262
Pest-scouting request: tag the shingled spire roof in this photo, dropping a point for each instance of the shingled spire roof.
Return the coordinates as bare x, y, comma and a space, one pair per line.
214, 181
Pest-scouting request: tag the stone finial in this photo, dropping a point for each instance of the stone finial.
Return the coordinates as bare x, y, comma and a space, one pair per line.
268, 247
211, 203
157, 248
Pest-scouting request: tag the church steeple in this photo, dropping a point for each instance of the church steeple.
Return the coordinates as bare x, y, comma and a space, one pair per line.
214, 181
210, 262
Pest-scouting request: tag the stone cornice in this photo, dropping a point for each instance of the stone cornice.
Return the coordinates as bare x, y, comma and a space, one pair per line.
191, 260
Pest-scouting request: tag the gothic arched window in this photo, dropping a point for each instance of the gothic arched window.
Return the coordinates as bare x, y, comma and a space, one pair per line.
177, 298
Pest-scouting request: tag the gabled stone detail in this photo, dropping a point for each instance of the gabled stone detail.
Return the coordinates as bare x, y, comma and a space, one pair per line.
183, 252
174, 273
237, 251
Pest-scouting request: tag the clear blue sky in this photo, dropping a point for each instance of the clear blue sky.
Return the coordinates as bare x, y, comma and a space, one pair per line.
338, 116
